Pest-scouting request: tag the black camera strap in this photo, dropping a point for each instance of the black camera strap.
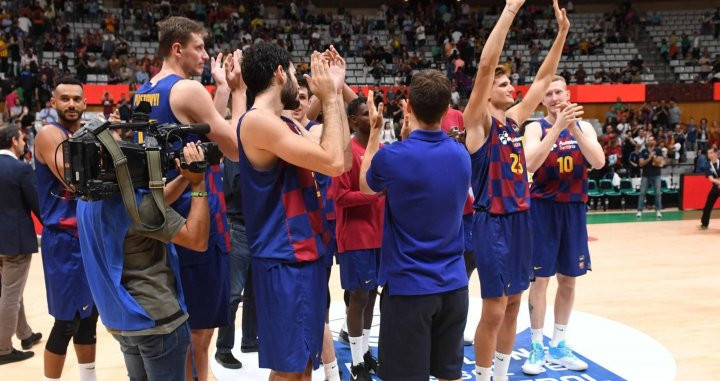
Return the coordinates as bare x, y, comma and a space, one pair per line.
127, 191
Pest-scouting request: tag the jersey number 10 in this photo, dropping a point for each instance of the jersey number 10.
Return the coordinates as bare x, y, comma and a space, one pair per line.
565, 164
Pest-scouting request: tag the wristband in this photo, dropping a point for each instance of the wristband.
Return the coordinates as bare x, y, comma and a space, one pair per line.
198, 194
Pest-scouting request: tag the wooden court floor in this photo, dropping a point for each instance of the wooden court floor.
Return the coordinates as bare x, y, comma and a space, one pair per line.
658, 277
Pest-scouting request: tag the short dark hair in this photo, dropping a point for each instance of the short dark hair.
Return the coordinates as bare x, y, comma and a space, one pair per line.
429, 95
302, 82
259, 64
8, 132
176, 29
354, 105
68, 80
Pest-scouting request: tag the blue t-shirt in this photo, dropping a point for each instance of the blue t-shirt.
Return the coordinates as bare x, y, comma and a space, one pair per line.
426, 179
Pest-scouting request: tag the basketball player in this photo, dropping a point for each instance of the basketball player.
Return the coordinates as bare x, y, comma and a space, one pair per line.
69, 299
176, 99
359, 230
283, 205
299, 116
557, 151
501, 232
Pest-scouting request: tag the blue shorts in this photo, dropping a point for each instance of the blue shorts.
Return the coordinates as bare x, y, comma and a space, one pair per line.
562, 229
290, 303
503, 253
66, 285
205, 280
359, 268
468, 230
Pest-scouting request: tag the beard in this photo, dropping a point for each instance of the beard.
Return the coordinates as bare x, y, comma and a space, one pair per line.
64, 118
289, 96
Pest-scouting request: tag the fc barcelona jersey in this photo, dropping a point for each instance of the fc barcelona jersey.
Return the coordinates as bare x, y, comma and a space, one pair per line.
563, 175
499, 179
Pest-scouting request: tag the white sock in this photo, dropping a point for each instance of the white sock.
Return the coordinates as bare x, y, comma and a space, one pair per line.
356, 349
332, 372
50, 379
536, 335
558, 334
502, 363
482, 374
87, 371
366, 341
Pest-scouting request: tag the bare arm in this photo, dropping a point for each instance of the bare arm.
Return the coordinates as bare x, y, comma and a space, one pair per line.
174, 189
589, 145
191, 103
527, 106
347, 145
537, 148
476, 117
47, 152
373, 143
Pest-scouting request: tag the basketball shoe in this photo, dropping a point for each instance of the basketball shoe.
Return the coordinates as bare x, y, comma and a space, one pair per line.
562, 355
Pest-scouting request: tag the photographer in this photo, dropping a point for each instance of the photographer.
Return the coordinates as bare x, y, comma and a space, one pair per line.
134, 275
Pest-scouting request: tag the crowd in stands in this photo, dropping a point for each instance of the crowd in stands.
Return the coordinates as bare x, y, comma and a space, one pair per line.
627, 128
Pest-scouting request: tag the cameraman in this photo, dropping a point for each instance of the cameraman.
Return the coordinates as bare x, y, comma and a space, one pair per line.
134, 273
177, 99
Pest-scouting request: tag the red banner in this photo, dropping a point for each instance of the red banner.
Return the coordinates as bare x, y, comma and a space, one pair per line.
716, 91
694, 190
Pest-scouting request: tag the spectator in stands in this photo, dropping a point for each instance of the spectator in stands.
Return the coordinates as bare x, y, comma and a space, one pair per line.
124, 108
661, 114
664, 50
703, 135
634, 162
4, 54
17, 111
580, 75
696, 46
685, 45
705, 65
600, 75
706, 23
716, 24
141, 76
674, 114
651, 161
691, 141
48, 114
640, 138
107, 104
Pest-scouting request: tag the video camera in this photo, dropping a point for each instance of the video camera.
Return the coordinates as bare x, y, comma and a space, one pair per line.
90, 170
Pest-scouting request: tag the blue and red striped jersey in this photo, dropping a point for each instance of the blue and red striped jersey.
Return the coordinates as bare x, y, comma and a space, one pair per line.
283, 209
563, 176
499, 180
57, 202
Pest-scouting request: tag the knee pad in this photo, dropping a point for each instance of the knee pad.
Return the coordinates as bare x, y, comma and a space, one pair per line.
86, 332
60, 335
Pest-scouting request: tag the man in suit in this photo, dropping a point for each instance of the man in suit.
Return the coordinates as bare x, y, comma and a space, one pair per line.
17, 243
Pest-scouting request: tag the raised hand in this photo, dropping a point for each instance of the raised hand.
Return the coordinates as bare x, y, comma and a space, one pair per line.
405, 131
321, 81
233, 71
337, 67
561, 16
375, 114
217, 70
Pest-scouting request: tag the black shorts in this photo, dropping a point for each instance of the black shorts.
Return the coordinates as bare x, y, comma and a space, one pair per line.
422, 335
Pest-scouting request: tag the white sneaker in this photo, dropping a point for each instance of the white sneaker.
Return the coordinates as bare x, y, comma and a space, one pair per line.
638, 214
534, 363
658, 214
562, 355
